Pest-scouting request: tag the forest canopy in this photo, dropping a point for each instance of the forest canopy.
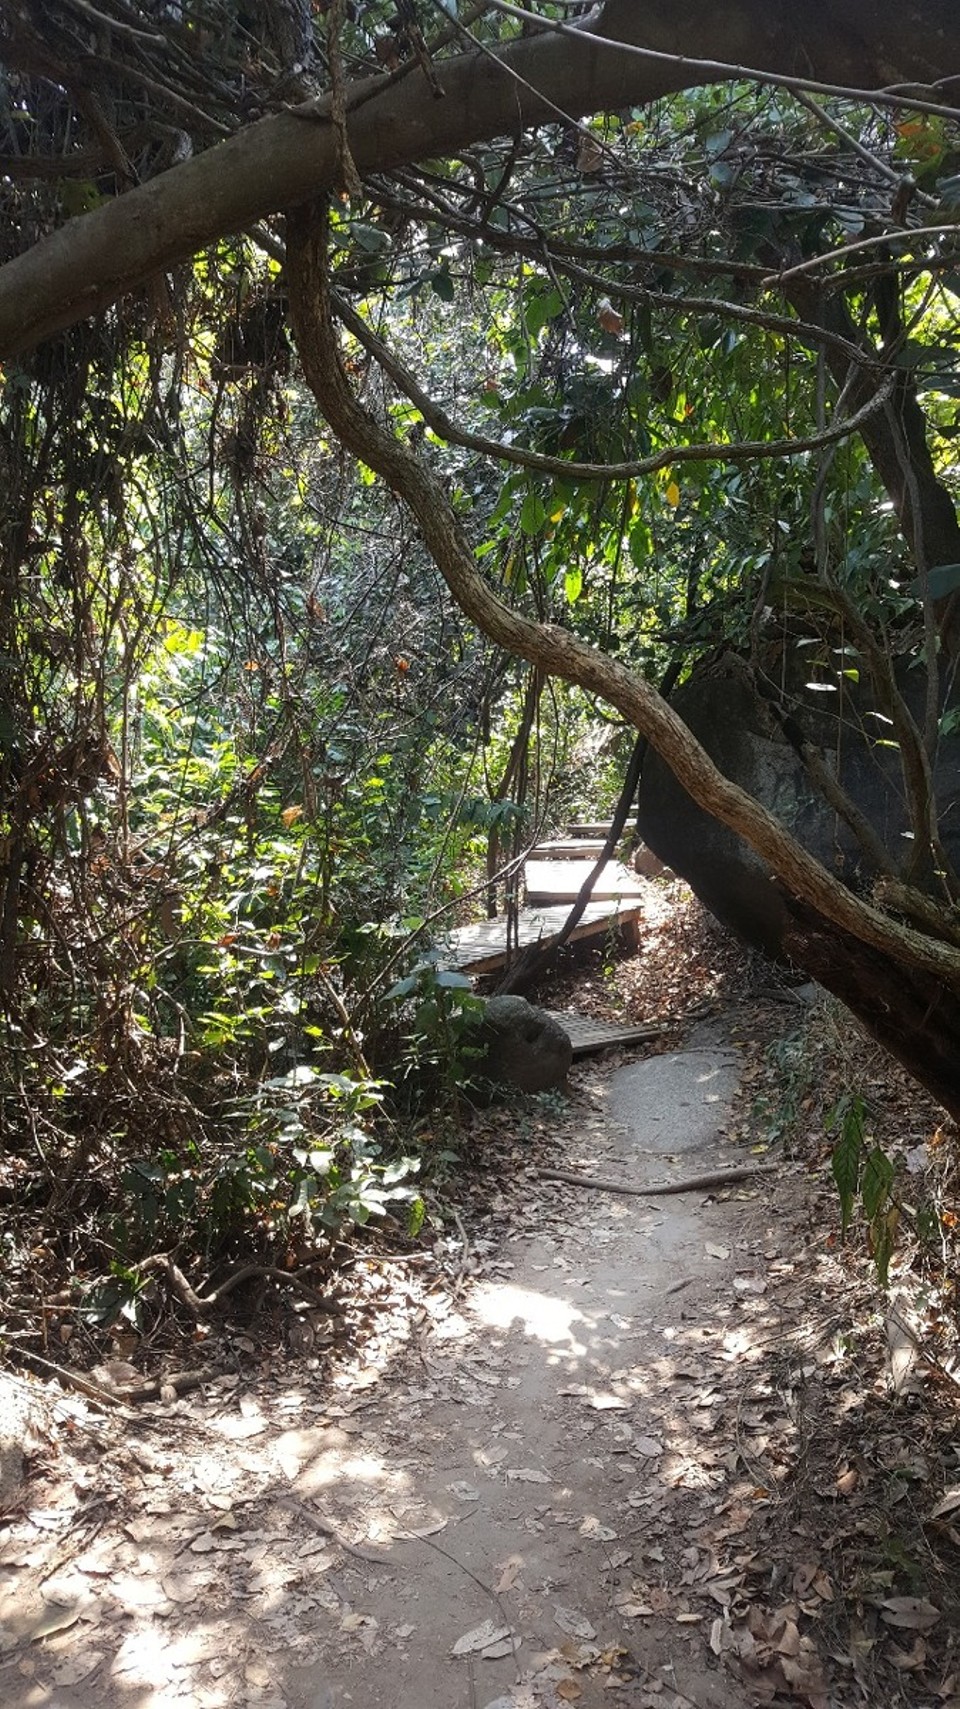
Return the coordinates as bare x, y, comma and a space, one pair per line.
395, 398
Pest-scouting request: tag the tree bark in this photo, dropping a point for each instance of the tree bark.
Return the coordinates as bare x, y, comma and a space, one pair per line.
914, 1017
289, 157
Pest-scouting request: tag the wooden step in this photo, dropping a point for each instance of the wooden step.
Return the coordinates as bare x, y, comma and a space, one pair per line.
588, 1036
597, 828
550, 881
482, 948
569, 848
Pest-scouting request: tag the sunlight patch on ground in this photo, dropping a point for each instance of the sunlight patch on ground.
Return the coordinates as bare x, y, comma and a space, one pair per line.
543, 1316
334, 1467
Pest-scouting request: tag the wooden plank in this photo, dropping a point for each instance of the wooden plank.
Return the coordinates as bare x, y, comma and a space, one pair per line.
588, 1036
597, 828
550, 881
483, 948
568, 848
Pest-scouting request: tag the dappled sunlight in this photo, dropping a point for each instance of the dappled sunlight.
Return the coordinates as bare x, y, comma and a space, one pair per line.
543, 1317
333, 1468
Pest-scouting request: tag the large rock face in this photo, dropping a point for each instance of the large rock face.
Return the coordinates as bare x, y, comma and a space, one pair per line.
747, 742
523, 1046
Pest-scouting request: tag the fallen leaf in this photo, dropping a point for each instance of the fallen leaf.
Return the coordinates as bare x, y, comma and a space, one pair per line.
593, 1529
804, 1576
480, 1638
527, 1475
913, 1612
569, 1620
74, 1669
710, 1249
608, 1403
40, 1622
509, 1573
905, 1661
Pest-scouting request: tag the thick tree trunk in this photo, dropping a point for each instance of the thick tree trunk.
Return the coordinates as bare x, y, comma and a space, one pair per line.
294, 155
933, 533
915, 1017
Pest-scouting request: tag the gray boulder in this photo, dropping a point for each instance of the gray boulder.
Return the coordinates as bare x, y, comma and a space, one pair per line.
750, 744
523, 1046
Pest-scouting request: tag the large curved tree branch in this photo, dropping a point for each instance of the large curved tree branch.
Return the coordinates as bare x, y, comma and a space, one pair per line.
289, 157
565, 468
556, 650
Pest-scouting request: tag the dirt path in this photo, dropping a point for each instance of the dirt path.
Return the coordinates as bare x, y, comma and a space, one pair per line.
533, 1507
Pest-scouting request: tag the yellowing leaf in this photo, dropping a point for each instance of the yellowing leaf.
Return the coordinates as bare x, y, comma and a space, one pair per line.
609, 318
290, 815
673, 494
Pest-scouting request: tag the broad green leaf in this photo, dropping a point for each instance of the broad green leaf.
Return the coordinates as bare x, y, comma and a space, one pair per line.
942, 580
533, 514
443, 285
878, 1176
883, 1232
845, 1162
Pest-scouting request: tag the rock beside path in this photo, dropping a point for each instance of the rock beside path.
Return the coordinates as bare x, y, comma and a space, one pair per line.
524, 1046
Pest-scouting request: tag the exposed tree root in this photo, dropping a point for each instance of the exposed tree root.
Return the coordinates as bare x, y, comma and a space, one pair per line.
660, 1189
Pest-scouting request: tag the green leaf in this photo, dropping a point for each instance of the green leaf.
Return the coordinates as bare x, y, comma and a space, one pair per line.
443, 285
370, 238
942, 580
845, 1162
573, 585
641, 544
883, 1232
878, 1174
546, 306
533, 514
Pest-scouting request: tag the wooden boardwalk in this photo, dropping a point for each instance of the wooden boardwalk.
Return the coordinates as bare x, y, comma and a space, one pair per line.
483, 948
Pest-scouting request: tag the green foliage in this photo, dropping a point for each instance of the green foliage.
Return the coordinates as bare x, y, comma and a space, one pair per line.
439, 1012
864, 1171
